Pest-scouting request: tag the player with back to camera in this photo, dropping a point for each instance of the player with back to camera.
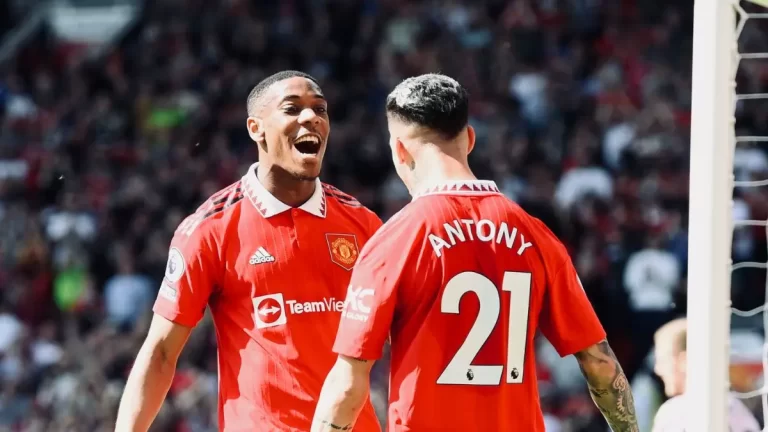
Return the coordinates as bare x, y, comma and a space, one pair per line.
670, 365
271, 257
462, 303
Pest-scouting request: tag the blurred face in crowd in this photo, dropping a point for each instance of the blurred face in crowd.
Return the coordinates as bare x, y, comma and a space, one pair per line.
671, 357
292, 127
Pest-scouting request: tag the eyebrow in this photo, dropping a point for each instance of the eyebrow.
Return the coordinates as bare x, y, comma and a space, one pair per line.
297, 97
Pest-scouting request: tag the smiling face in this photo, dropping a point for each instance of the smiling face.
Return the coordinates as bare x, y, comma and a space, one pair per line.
291, 127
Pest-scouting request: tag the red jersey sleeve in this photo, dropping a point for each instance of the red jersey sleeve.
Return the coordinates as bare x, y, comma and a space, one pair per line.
567, 318
372, 295
374, 224
189, 277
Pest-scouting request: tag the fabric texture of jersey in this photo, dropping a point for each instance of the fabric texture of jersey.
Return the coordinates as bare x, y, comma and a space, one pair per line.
461, 294
274, 278
672, 416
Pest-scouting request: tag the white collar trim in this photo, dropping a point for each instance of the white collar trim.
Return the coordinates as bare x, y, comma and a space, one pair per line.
269, 206
459, 187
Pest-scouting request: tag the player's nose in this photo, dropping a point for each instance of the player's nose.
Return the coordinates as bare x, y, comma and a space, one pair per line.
308, 116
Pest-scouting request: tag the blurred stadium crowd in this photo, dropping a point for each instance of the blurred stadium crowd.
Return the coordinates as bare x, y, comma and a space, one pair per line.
582, 110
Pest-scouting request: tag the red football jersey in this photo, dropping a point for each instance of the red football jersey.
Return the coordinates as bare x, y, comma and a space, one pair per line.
460, 280
274, 278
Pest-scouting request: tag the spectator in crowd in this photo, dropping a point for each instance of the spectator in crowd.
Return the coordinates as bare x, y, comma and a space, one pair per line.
582, 113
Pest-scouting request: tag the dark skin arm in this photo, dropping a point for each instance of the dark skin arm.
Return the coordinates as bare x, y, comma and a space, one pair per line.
608, 386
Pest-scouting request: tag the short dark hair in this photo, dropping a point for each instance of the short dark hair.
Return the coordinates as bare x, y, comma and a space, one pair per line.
434, 101
261, 88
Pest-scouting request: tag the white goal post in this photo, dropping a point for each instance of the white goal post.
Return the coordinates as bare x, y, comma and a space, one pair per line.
710, 214
718, 26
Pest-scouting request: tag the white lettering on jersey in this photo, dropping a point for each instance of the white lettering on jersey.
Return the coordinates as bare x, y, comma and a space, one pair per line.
327, 305
272, 310
354, 306
261, 256
460, 370
484, 230
269, 311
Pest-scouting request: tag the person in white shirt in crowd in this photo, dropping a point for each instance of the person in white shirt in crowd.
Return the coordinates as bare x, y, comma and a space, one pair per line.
671, 358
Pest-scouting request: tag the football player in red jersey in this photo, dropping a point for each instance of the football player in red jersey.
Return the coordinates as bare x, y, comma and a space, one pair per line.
461, 293
271, 256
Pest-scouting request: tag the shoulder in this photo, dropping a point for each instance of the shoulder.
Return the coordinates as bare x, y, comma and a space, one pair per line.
210, 217
333, 193
431, 210
349, 204
669, 414
549, 246
394, 249
740, 417
405, 227
198, 240
534, 224
672, 404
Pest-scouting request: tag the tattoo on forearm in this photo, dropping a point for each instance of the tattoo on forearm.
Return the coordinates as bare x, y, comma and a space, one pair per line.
336, 427
609, 387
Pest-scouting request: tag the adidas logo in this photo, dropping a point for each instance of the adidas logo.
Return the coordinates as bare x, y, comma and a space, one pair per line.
261, 256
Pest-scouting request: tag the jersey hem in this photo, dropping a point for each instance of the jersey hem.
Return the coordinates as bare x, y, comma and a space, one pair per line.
177, 318
358, 354
581, 346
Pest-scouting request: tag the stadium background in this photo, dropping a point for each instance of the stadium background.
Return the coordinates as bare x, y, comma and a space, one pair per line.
120, 117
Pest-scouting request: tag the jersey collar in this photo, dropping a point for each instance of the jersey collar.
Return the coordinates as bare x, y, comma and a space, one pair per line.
269, 206
459, 187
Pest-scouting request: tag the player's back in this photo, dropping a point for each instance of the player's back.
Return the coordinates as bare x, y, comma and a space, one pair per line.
484, 276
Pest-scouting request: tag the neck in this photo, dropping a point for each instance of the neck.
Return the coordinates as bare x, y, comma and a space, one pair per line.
435, 168
285, 186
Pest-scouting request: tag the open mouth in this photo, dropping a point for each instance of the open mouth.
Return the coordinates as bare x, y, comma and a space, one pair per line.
307, 144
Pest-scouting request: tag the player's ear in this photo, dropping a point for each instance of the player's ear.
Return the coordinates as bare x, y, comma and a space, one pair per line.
471, 138
681, 358
402, 153
256, 131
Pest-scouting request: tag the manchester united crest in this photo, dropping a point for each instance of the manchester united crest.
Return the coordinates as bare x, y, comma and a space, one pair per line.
343, 248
